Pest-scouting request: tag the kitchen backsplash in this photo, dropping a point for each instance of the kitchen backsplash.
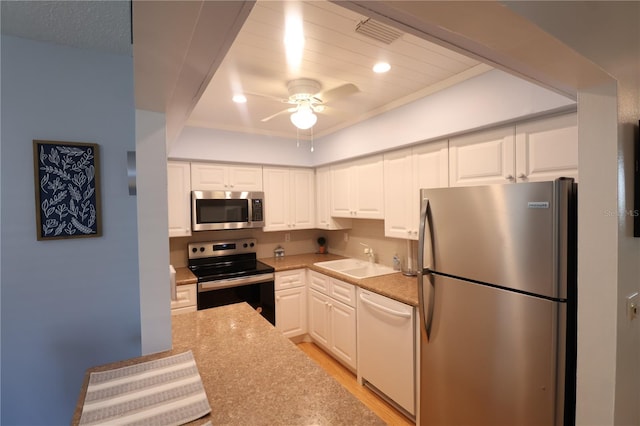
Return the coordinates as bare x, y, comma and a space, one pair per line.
370, 232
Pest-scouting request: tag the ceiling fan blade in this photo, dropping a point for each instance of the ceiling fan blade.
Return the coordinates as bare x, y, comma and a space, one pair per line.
271, 97
284, 111
332, 111
339, 92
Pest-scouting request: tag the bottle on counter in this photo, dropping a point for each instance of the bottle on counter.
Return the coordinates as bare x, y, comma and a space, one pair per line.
396, 262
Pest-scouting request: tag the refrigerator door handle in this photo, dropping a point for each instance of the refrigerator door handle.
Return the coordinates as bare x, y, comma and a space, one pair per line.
425, 253
425, 264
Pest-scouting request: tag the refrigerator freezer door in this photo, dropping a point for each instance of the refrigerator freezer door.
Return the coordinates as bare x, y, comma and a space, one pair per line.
490, 359
508, 235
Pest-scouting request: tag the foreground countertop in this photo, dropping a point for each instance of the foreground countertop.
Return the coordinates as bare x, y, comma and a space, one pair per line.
252, 374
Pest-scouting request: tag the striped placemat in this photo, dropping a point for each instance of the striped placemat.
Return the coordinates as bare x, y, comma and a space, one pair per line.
166, 391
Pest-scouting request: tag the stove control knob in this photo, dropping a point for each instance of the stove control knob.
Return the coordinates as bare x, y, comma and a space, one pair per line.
245, 245
201, 249
194, 250
251, 244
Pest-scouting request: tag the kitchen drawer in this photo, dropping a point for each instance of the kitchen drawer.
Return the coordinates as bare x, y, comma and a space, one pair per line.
290, 279
186, 297
319, 282
344, 292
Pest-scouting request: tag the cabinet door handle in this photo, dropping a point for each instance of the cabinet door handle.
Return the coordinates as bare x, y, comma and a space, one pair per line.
522, 176
509, 177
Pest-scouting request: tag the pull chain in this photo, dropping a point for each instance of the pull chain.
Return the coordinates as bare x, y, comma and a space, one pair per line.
312, 139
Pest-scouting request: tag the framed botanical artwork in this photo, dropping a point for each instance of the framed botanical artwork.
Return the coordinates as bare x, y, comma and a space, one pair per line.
67, 189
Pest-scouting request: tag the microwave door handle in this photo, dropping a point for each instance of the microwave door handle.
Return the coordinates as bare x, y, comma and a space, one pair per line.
426, 262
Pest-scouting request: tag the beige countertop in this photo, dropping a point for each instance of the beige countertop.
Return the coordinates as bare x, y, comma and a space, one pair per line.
185, 276
396, 286
252, 374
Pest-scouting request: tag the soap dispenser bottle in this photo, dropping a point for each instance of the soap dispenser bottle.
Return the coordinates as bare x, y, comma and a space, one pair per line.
396, 262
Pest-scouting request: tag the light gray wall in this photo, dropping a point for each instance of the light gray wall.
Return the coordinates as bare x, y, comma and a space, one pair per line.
66, 304
202, 144
153, 233
483, 101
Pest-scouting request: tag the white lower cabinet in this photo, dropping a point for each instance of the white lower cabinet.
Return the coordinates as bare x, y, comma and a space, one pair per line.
386, 348
291, 302
332, 317
186, 299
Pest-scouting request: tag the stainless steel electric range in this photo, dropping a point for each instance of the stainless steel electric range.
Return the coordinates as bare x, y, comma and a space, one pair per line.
229, 272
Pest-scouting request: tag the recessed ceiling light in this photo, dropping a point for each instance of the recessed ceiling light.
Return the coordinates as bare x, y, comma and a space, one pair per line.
239, 99
381, 67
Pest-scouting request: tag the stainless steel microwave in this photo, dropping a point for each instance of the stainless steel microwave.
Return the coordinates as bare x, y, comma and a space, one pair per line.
215, 210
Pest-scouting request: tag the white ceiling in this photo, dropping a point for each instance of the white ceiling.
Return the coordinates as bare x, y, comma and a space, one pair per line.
99, 25
334, 55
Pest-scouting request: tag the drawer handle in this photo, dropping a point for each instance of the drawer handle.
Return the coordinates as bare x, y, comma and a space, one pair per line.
384, 308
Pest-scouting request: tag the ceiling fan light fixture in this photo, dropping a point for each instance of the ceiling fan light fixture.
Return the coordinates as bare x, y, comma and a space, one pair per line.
239, 98
304, 118
381, 67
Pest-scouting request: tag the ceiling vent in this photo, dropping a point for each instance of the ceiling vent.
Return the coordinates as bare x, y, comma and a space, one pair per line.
378, 31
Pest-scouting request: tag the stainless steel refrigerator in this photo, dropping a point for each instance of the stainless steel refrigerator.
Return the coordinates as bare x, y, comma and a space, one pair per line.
497, 287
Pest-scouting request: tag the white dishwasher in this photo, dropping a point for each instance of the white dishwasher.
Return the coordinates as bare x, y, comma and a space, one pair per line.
386, 348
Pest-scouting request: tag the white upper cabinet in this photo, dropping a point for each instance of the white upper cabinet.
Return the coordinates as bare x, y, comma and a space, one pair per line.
225, 177
356, 189
547, 149
179, 198
482, 158
538, 150
289, 198
405, 173
324, 220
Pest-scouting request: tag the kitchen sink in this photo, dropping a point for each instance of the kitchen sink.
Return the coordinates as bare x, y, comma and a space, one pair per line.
356, 268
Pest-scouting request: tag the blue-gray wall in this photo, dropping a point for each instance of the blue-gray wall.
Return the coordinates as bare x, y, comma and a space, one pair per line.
66, 305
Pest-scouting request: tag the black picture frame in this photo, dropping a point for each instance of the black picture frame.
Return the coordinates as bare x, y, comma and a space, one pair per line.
67, 189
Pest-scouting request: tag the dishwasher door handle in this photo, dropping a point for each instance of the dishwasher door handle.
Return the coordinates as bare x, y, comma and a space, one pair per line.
384, 308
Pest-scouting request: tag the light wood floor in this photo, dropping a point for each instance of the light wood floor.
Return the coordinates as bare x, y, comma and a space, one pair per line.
346, 378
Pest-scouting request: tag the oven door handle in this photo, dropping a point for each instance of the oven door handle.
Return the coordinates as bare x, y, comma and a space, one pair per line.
235, 282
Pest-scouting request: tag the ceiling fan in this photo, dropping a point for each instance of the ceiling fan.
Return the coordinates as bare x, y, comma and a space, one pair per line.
306, 98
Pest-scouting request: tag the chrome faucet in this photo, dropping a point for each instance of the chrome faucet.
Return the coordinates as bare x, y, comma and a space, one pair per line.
369, 252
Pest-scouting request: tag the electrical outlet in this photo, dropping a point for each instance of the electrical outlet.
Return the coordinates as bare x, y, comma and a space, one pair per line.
632, 306
287, 237
346, 237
